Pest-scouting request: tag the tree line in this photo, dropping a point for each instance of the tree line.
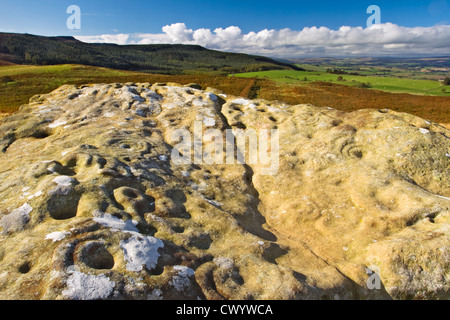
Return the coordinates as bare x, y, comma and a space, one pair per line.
165, 59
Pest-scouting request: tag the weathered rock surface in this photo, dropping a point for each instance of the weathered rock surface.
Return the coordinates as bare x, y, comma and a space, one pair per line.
92, 205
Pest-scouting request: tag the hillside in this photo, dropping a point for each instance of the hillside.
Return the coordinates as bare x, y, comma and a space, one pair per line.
164, 59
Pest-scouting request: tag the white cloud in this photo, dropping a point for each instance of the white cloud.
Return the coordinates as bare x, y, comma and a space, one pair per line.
106, 38
178, 32
383, 39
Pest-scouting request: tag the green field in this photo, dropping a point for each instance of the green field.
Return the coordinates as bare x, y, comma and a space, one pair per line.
387, 84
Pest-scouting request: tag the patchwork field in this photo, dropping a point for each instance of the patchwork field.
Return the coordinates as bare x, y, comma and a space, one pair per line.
388, 84
419, 97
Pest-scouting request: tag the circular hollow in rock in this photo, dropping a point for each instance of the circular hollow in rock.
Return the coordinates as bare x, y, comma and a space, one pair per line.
25, 267
95, 255
130, 193
63, 207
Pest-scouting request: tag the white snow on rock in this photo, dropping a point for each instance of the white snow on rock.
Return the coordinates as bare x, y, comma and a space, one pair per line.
24, 210
244, 102
181, 280
163, 157
443, 197
185, 174
273, 109
37, 194
56, 236
223, 262
151, 95
241, 101
16, 220
209, 122
126, 93
57, 123
81, 286
64, 181
199, 103
140, 251
155, 295
115, 223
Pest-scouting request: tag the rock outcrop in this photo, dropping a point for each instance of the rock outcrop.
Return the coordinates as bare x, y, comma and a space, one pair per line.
93, 204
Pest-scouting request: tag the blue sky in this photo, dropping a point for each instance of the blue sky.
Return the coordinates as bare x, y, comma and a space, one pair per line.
113, 17
48, 17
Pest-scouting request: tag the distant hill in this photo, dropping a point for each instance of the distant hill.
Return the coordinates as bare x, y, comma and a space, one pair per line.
399, 62
160, 58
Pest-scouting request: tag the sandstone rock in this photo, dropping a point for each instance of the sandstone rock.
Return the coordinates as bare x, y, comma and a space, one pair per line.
93, 204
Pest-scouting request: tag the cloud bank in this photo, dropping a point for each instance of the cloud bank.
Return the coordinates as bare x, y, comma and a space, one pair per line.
378, 40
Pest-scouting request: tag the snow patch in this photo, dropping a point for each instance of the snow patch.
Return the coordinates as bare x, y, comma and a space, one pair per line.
163, 157
81, 286
24, 211
181, 280
57, 123
57, 236
140, 251
199, 103
37, 194
127, 93
223, 262
155, 295
64, 181
185, 174
115, 223
172, 105
209, 122
241, 101
152, 95
273, 109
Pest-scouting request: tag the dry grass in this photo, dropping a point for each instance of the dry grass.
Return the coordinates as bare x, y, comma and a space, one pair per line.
28, 81
322, 94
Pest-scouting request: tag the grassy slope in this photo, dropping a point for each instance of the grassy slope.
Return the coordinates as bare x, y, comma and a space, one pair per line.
388, 84
19, 83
